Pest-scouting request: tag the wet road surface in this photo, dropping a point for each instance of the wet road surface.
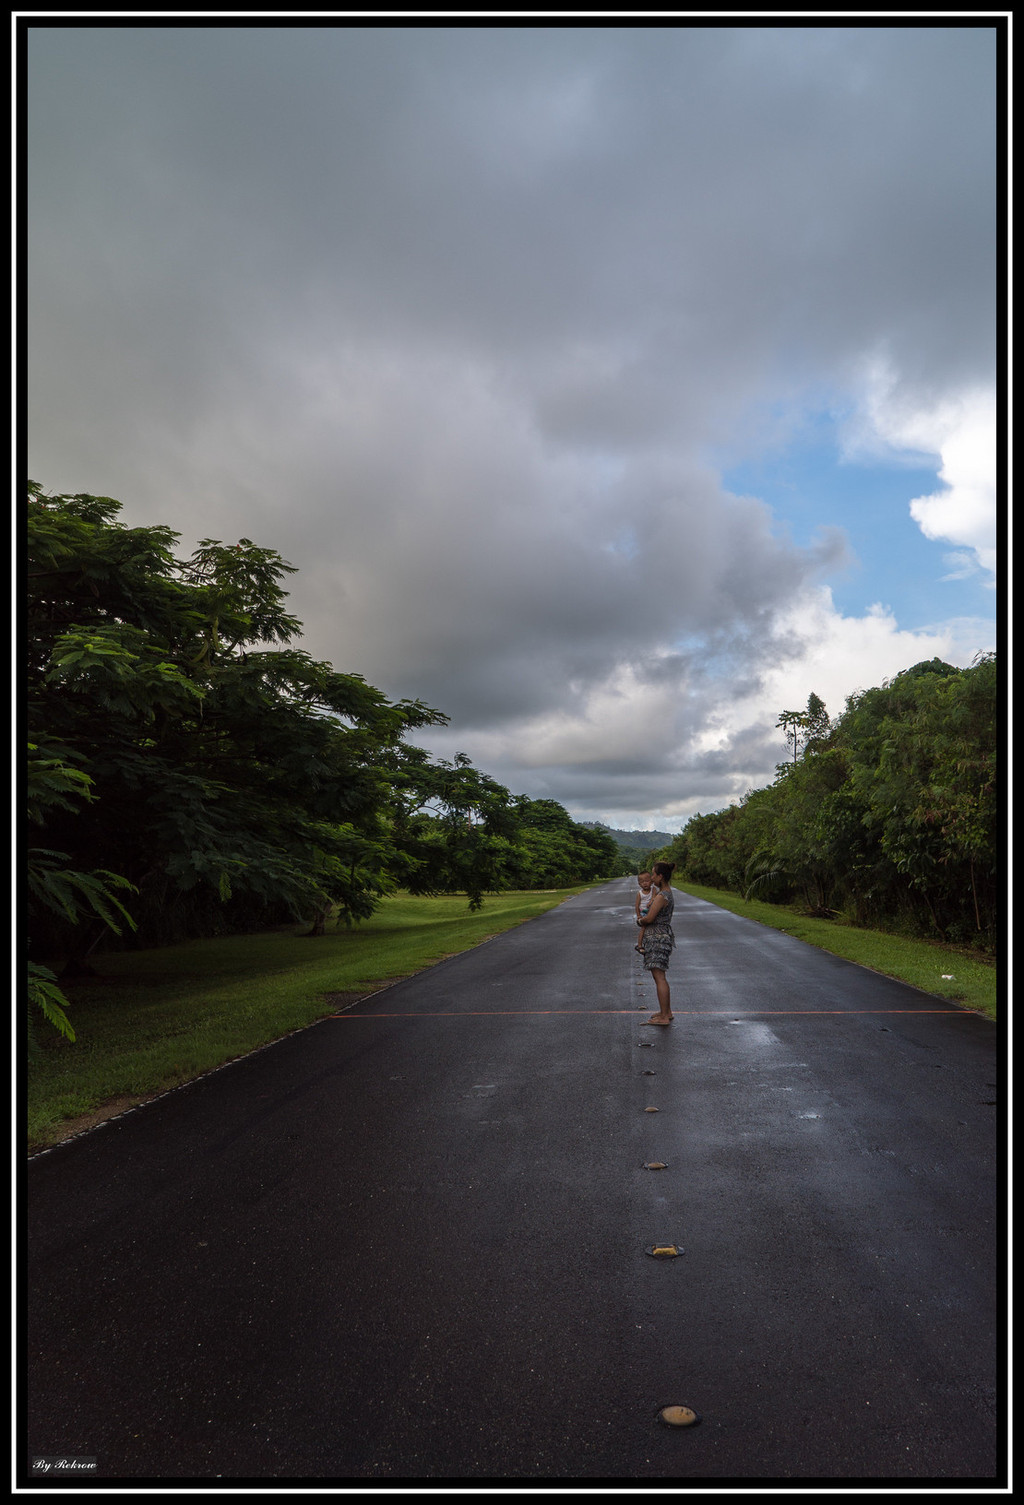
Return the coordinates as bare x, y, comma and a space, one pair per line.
411, 1242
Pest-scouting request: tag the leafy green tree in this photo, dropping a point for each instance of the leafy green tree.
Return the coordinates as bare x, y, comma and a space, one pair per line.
53, 886
923, 766
812, 725
233, 783
450, 825
713, 856
804, 846
676, 851
558, 851
599, 857
960, 795
887, 813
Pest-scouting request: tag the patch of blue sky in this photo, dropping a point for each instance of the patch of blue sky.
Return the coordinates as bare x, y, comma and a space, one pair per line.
809, 483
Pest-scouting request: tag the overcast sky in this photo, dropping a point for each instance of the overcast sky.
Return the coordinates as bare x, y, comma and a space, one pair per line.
612, 388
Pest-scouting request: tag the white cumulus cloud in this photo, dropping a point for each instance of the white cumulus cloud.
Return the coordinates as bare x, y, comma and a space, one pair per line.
959, 428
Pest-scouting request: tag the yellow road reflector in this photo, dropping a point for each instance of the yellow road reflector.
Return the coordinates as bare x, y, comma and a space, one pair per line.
650, 1110
655, 1165
665, 1251
679, 1416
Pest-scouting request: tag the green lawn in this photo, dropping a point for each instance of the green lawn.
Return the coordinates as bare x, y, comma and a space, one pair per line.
951, 972
154, 1019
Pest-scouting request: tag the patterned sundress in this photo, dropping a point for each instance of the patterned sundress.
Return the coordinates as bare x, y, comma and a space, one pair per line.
659, 937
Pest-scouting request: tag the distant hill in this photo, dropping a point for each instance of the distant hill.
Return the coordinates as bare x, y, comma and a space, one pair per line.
634, 841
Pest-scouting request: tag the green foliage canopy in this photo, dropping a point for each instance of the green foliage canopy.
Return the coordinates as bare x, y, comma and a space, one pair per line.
888, 813
228, 779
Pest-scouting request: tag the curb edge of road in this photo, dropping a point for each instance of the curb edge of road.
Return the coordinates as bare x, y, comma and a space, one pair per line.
144, 1102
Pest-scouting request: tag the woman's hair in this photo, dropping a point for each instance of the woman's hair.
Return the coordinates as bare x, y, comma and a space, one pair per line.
664, 870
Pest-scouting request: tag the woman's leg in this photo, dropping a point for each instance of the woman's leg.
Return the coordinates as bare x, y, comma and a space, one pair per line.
664, 1015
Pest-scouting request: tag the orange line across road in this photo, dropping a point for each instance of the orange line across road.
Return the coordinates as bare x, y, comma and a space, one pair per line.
703, 1013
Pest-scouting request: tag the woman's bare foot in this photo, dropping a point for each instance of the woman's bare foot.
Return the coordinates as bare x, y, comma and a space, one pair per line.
657, 1019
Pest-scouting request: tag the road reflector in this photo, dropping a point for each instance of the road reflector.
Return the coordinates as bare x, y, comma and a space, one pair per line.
664, 1251
650, 1110
678, 1416
655, 1165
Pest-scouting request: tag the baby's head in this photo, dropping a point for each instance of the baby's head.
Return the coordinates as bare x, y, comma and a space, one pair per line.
644, 880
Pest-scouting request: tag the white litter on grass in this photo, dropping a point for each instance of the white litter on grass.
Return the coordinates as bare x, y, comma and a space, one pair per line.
948, 977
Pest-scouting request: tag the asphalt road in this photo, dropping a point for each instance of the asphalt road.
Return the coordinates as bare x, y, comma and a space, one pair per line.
410, 1242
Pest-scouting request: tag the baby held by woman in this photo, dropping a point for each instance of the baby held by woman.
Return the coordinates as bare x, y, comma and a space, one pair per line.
648, 887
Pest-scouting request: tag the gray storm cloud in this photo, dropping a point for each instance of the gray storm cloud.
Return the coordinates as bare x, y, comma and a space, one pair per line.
455, 318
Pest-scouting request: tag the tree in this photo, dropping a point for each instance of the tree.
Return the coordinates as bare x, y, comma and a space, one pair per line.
55, 887
923, 766
803, 841
811, 724
451, 827
887, 813
232, 783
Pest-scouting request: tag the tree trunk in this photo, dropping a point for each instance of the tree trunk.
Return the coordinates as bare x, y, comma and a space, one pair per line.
931, 910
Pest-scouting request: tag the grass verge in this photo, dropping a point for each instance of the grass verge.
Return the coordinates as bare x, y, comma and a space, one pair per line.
154, 1019
950, 972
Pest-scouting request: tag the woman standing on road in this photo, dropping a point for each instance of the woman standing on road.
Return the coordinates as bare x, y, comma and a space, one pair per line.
659, 939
